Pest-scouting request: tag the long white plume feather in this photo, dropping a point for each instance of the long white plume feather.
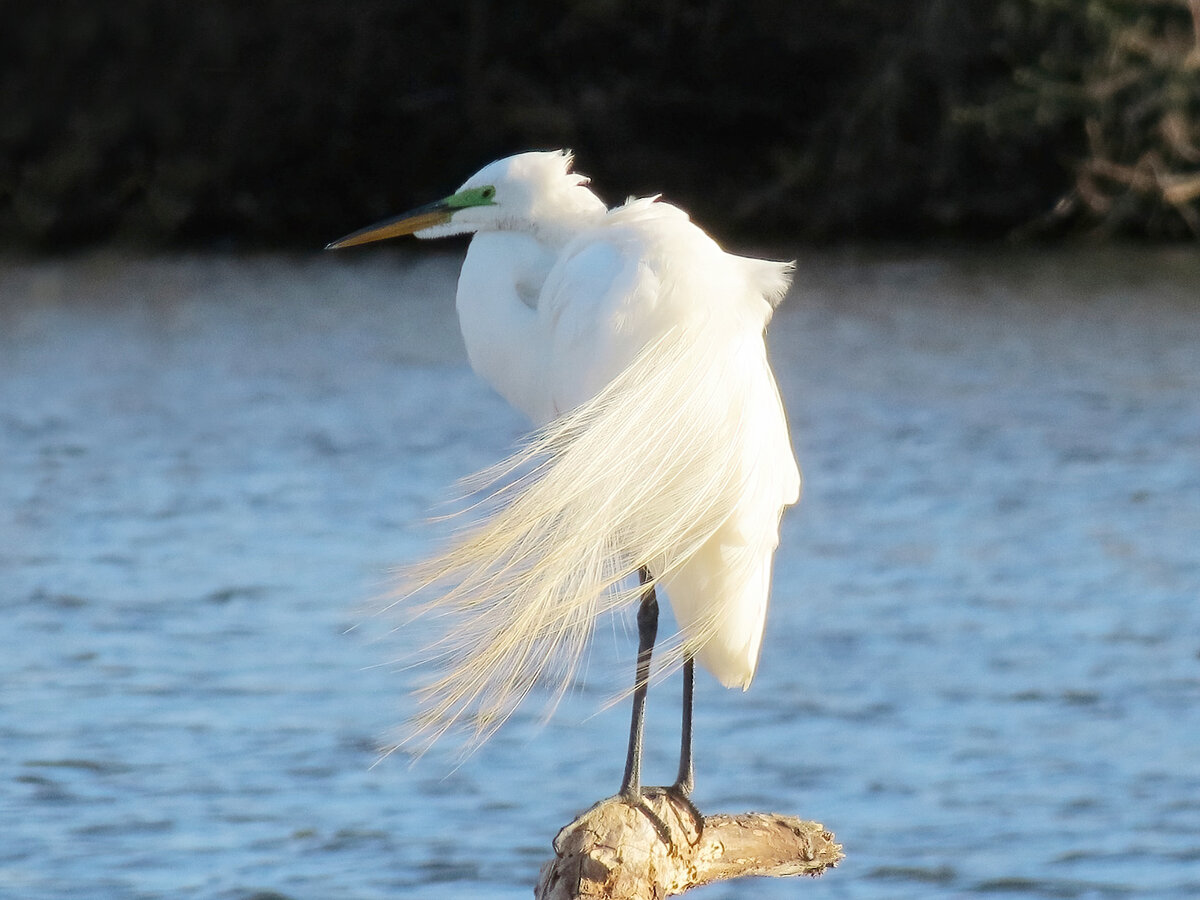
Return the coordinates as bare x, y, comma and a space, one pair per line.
640, 476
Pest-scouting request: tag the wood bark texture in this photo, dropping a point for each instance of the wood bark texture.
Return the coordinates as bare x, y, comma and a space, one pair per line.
615, 850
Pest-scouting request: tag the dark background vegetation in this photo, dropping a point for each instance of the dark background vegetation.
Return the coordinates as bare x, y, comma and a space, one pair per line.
287, 122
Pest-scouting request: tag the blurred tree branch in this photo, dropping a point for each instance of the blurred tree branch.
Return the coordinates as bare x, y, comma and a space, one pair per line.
1126, 80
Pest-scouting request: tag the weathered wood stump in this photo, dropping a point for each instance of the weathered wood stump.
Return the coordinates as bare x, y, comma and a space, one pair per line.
615, 851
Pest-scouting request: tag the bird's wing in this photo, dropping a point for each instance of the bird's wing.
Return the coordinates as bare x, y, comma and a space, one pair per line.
600, 306
613, 293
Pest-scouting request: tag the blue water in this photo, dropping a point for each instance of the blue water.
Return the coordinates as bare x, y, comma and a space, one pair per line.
982, 668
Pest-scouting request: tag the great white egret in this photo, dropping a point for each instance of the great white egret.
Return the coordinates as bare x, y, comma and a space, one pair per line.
636, 344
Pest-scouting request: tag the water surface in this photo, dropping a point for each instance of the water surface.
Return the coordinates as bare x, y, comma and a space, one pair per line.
982, 667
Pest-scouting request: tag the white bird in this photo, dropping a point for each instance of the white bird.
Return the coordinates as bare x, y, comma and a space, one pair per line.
635, 343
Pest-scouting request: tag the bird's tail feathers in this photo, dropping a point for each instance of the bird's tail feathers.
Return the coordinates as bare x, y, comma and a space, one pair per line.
640, 476
771, 279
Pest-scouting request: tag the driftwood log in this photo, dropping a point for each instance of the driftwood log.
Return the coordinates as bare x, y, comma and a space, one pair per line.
616, 851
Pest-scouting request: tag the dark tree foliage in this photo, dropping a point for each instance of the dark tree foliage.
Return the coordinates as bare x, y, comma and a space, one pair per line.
291, 121
1119, 82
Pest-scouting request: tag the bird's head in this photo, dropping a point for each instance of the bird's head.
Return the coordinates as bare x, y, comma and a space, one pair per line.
534, 192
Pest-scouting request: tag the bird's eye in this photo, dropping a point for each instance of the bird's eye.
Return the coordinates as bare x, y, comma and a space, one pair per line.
488, 193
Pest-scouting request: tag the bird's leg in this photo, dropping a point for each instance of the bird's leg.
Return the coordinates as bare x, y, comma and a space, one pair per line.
631, 784
647, 620
686, 779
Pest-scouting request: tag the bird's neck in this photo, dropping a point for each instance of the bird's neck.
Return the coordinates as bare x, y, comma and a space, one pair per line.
558, 219
497, 295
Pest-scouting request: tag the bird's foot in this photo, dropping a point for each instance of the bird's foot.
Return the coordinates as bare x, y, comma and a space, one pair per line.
637, 799
682, 794
678, 796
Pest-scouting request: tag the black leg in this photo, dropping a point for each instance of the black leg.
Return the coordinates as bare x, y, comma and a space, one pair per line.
631, 784
686, 779
647, 619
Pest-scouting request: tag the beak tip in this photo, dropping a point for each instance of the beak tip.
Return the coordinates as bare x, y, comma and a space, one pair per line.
410, 223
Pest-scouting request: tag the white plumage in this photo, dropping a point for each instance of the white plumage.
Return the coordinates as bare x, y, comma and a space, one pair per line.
635, 344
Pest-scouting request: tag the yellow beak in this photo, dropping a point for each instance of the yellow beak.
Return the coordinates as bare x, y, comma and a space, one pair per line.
437, 213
